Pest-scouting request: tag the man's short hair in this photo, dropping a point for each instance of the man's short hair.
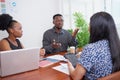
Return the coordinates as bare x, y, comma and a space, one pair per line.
56, 15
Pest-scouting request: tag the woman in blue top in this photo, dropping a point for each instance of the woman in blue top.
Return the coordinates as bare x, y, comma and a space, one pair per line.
102, 56
14, 30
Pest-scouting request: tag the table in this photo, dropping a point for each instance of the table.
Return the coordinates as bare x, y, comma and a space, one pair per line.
45, 73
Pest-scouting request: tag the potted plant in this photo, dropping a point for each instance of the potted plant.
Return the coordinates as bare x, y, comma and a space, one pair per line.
83, 34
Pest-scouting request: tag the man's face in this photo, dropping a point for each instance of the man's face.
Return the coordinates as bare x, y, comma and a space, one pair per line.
58, 22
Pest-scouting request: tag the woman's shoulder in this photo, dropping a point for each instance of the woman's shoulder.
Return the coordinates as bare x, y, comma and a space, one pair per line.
90, 46
4, 45
99, 43
3, 41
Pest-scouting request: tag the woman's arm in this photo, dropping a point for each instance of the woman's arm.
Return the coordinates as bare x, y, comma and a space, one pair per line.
4, 45
76, 73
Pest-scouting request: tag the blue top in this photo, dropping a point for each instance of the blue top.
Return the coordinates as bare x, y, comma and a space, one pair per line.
96, 59
64, 37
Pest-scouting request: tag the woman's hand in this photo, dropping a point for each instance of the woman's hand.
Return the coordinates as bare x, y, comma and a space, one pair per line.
76, 73
70, 66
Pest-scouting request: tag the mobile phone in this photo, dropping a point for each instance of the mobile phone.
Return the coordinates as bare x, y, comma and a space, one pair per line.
72, 58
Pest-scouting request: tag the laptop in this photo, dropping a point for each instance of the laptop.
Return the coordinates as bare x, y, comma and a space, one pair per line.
17, 61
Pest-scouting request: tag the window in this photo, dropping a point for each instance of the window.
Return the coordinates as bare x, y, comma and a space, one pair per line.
88, 8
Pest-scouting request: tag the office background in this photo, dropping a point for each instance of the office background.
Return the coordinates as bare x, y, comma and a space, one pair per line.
36, 15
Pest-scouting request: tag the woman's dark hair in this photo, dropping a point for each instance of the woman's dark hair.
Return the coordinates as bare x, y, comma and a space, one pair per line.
6, 21
102, 26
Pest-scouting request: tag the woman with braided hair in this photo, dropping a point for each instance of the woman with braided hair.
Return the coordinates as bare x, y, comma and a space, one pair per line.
14, 30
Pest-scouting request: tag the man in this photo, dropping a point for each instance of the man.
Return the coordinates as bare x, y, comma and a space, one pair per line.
58, 39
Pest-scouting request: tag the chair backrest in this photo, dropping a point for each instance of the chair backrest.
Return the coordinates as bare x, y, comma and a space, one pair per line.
113, 76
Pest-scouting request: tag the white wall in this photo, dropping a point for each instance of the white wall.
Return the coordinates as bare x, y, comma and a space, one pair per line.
35, 17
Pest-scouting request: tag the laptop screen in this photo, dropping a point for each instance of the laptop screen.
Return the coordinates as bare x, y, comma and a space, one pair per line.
21, 60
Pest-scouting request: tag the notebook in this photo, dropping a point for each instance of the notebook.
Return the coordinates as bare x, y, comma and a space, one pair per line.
17, 61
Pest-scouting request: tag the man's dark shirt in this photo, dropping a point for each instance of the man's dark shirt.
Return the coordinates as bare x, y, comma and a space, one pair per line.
64, 37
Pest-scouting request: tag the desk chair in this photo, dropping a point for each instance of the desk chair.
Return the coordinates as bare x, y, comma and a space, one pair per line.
113, 76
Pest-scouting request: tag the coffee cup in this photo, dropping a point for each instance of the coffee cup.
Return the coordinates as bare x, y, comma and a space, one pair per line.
72, 49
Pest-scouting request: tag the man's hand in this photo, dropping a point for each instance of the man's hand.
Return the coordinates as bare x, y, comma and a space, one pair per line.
75, 32
56, 44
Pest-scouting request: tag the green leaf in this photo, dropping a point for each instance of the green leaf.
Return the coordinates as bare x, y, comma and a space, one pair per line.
83, 35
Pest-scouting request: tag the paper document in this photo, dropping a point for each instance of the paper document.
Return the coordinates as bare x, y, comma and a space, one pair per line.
57, 57
62, 68
45, 63
50, 60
